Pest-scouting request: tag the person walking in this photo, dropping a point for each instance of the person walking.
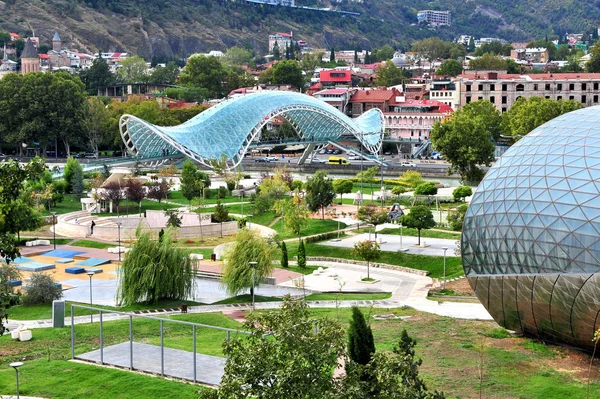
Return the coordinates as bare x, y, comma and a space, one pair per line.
92, 227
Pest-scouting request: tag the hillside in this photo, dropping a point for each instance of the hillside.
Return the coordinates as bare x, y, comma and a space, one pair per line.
180, 27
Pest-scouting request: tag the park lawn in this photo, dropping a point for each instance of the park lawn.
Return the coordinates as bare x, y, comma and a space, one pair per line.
43, 312
59, 241
247, 298
70, 203
313, 227
265, 218
92, 244
453, 235
176, 196
348, 296
433, 264
451, 350
147, 205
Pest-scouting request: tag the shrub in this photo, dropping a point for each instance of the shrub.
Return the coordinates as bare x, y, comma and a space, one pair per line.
42, 290
223, 192
361, 345
455, 219
461, 192
301, 255
426, 188
206, 192
284, 255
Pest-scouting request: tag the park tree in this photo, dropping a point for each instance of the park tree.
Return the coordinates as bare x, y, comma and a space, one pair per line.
78, 182
419, 217
301, 255
4, 38
488, 61
96, 76
69, 172
133, 70
372, 214
270, 190
220, 215
528, 113
368, 251
466, 139
159, 190
135, 192
385, 53
155, 270
411, 178
361, 345
284, 256
593, 65
494, 47
288, 72
456, 217
173, 218
164, 74
295, 213
236, 56
96, 124
319, 192
450, 68
276, 51
342, 186
332, 55
288, 354
42, 290
461, 192
388, 74
248, 246
113, 192
191, 184
426, 188
206, 72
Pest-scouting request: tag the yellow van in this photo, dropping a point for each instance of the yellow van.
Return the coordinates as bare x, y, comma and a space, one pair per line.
338, 161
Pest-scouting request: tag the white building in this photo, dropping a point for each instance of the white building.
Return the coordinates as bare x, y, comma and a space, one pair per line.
433, 17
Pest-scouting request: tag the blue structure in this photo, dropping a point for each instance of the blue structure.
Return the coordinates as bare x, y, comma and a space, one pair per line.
531, 235
228, 129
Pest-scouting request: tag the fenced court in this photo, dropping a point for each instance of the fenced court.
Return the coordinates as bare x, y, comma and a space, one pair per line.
166, 347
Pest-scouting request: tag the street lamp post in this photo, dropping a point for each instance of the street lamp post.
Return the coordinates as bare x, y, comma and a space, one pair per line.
445, 249
119, 240
253, 266
402, 249
54, 227
91, 274
16, 366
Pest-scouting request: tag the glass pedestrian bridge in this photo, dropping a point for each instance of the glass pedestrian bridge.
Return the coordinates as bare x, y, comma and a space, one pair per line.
229, 129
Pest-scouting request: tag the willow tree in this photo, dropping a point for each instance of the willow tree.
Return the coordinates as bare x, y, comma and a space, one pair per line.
247, 247
154, 270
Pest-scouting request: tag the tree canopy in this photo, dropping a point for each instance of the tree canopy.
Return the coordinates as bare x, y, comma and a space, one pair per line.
319, 192
450, 68
466, 139
133, 70
288, 72
419, 217
389, 74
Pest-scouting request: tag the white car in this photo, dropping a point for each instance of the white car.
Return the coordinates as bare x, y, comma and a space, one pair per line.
272, 158
317, 160
354, 158
323, 151
408, 164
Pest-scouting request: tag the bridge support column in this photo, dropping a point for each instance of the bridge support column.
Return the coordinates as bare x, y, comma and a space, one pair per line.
309, 150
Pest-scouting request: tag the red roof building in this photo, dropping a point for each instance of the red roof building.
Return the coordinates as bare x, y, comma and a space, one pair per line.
364, 100
335, 77
414, 119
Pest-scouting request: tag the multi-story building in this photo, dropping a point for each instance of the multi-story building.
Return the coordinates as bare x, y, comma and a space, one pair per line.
446, 91
532, 55
283, 41
414, 119
503, 89
338, 98
433, 17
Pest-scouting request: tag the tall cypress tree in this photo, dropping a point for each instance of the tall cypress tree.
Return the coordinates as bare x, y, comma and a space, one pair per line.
332, 55
301, 255
284, 255
361, 345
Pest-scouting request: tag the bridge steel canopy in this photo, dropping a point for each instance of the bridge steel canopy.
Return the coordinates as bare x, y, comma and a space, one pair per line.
226, 130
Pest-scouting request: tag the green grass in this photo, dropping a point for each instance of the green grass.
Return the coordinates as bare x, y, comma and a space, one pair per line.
247, 298
264, 218
59, 241
348, 296
147, 205
43, 312
70, 203
424, 233
176, 196
433, 264
92, 244
303, 270
313, 227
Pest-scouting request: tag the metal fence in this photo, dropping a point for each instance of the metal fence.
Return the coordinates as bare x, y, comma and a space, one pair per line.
162, 322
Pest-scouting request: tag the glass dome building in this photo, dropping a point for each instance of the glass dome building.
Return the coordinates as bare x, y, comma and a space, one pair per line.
531, 235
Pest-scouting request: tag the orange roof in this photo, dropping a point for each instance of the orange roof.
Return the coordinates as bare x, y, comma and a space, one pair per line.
374, 96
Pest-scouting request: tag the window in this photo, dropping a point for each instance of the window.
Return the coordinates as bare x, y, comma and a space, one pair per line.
493, 100
520, 87
595, 99
503, 99
583, 99
468, 99
419, 133
492, 87
547, 97
504, 87
583, 86
535, 87
559, 87
479, 98
412, 133
571, 86
480, 87
559, 98
571, 97
595, 86
503, 109
468, 87
547, 87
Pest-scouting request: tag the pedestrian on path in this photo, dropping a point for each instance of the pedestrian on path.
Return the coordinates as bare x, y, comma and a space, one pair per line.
92, 227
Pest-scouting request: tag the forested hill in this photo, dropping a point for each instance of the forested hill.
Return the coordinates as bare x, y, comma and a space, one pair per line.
180, 27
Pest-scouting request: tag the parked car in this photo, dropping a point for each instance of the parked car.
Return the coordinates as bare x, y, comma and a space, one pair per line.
272, 158
323, 151
354, 157
90, 155
317, 160
336, 152
408, 164
261, 159
330, 151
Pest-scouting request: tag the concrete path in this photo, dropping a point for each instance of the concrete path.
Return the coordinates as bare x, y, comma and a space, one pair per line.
391, 243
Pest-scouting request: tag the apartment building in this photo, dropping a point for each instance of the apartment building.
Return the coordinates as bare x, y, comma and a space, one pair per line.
433, 17
504, 89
